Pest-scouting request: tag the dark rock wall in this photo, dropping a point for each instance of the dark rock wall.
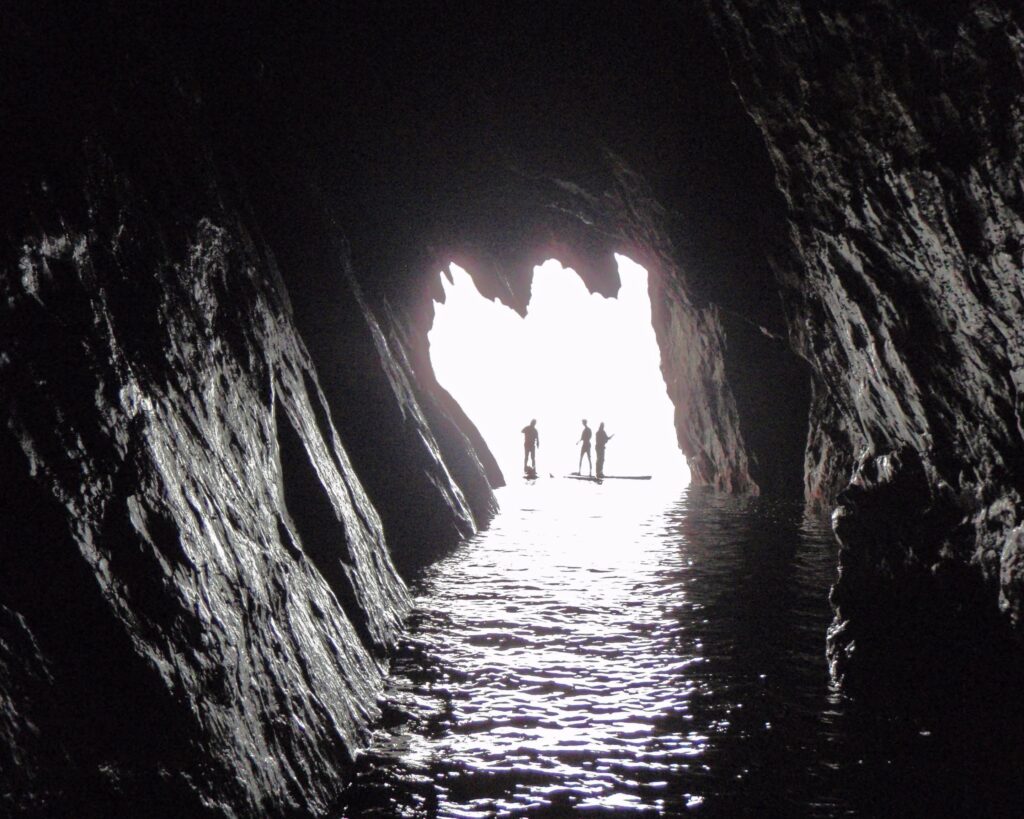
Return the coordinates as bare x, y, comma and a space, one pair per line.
198, 598
895, 132
196, 578
471, 464
197, 595
403, 443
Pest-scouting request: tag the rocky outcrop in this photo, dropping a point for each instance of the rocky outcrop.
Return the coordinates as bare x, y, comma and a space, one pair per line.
404, 444
198, 599
197, 589
895, 133
465, 453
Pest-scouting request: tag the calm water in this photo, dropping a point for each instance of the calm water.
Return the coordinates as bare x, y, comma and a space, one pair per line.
632, 650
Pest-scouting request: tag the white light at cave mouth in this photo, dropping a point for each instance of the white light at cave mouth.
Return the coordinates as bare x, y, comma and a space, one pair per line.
575, 355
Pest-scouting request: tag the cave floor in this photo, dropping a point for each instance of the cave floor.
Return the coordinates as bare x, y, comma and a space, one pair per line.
647, 650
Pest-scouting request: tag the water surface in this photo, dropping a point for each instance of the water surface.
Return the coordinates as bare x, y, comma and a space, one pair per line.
638, 650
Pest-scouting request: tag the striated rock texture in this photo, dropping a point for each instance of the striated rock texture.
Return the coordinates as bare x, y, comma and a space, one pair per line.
196, 584
197, 594
473, 468
424, 477
896, 135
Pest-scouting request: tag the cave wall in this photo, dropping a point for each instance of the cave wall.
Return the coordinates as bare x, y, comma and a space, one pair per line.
197, 590
195, 572
895, 133
399, 432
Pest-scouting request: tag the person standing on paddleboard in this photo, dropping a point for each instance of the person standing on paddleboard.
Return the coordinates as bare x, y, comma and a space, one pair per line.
585, 449
531, 440
600, 441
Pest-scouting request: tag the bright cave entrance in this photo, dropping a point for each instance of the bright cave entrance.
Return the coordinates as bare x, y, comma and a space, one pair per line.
576, 355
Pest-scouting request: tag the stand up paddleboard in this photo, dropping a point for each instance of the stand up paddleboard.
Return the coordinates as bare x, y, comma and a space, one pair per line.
595, 479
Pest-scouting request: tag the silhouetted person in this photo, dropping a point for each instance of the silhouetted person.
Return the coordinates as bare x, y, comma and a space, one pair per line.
531, 440
585, 449
600, 440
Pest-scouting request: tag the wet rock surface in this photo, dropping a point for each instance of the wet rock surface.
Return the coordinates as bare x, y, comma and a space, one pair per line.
198, 595
408, 451
895, 136
197, 582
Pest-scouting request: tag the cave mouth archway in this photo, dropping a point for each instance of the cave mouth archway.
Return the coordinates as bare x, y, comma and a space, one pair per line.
574, 355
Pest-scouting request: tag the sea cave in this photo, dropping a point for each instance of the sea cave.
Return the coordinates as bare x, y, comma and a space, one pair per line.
263, 557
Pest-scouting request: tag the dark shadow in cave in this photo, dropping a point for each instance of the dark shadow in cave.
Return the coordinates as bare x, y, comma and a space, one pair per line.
365, 410
321, 534
88, 706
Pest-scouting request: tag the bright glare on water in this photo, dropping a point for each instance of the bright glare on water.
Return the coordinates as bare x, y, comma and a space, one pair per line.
575, 656
622, 648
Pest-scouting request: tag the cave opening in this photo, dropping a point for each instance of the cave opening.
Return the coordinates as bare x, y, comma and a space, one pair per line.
575, 355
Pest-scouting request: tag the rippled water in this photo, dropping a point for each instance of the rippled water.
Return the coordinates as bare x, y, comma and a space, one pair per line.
621, 648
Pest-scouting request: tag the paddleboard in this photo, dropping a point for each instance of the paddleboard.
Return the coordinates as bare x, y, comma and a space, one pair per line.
595, 479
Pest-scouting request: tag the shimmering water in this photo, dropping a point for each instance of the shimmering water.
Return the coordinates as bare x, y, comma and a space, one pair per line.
626, 649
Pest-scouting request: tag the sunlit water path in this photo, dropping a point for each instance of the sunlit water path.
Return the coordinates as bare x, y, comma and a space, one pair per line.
623, 648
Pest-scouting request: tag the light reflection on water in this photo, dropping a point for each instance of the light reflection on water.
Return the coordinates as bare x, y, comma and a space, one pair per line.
621, 648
